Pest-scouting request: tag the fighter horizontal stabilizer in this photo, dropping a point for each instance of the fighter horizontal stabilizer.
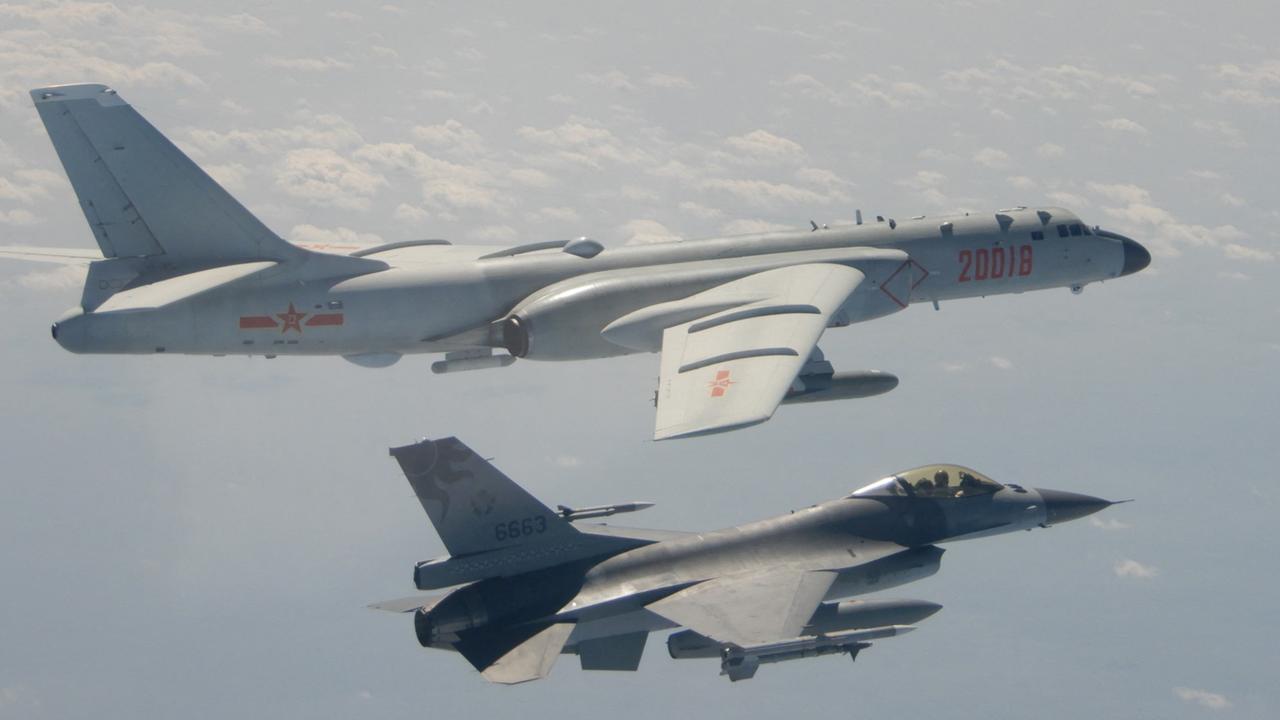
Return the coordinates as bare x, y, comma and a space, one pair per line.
408, 604
515, 656
618, 652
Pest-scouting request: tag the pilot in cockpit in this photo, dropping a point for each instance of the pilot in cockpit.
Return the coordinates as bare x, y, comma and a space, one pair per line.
933, 481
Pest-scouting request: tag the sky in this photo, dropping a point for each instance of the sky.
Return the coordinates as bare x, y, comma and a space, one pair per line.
200, 536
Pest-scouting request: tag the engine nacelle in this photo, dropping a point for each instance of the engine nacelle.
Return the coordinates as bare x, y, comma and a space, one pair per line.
564, 321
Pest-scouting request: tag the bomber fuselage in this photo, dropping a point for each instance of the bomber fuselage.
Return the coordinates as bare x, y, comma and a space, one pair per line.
551, 304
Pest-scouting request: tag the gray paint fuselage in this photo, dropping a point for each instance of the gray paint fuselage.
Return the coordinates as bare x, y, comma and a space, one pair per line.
436, 298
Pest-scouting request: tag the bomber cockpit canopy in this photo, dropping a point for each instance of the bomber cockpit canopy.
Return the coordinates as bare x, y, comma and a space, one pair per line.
935, 481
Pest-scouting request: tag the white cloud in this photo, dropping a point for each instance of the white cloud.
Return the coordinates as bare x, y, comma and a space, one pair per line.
669, 81
832, 183
612, 79
1230, 200
230, 176
1107, 523
324, 64
927, 184
313, 235
894, 94
1124, 125
1168, 234
1223, 131
1022, 182
645, 232
1236, 251
747, 227
1121, 192
531, 177
1050, 150
582, 142
764, 147
18, 216
412, 214
504, 234
60, 278
1067, 199
1001, 363
444, 185
812, 88
452, 137
700, 211
763, 192
1134, 569
320, 130
555, 214
29, 185
991, 157
1203, 698
1250, 84
323, 177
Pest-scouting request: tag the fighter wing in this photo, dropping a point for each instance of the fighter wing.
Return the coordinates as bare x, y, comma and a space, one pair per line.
750, 608
732, 368
61, 256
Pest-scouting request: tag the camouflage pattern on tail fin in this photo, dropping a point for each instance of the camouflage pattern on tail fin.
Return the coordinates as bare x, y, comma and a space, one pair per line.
473, 506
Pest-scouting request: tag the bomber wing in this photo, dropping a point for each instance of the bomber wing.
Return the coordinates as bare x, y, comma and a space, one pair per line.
748, 609
732, 368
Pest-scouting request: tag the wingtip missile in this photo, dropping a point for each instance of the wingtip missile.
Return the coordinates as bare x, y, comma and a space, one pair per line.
598, 511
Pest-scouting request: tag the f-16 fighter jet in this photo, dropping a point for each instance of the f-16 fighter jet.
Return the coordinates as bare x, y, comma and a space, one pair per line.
533, 585
185, 268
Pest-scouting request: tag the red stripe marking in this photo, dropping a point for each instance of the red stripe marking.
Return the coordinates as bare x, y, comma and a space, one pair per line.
325, 319
254, 322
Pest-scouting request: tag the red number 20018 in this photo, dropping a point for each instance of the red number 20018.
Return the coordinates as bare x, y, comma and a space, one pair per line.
996, 263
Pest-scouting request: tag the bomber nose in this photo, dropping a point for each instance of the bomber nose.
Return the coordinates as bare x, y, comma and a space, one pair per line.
1136, 257
1059, 506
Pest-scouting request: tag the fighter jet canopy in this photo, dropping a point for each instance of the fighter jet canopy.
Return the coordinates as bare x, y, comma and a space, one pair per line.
937, 481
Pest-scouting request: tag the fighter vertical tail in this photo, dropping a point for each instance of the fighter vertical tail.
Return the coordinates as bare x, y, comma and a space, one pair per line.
474, 507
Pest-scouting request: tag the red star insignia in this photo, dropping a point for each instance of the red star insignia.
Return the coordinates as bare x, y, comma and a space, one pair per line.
721, 384
292, 319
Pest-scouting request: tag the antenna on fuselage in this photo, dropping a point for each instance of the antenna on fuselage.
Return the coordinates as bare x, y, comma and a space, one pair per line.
857, 214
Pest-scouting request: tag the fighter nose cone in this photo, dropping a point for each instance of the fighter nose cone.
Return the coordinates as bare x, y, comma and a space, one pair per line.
1136, 257
1059, 506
